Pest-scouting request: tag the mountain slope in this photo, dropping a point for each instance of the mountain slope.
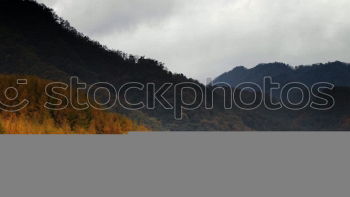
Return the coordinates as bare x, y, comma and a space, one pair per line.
36, 119
35, 41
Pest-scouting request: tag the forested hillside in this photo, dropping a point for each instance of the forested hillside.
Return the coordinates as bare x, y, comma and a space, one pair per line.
36, 119
337, 73
35, 41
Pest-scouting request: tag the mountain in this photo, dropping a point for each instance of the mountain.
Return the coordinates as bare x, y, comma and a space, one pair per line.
337, 73
335, 119
35, 41
306, 119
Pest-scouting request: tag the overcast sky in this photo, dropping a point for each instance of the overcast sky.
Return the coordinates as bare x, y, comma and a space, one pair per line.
204, 38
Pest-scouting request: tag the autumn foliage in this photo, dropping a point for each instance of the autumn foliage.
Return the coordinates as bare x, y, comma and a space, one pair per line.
36, 119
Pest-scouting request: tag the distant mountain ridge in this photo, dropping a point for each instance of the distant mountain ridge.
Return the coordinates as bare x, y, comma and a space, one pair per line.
337, 73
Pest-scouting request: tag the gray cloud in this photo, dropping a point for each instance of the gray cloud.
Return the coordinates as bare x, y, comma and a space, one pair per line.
203, 38
96, 17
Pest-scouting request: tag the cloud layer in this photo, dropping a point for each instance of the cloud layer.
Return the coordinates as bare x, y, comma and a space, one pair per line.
204, 38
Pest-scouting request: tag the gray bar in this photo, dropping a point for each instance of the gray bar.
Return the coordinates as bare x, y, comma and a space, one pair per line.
176, 165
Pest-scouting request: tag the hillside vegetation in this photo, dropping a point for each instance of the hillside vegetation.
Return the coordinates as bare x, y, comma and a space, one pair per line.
35, 41
337, 73
36, 119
